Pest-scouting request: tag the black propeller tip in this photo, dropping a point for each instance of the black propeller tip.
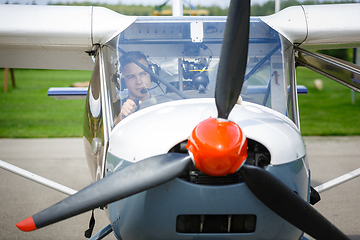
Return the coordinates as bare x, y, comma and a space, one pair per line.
287, 204
233, 58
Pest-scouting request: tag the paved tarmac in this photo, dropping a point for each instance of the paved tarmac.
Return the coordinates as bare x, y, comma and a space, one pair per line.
63, 161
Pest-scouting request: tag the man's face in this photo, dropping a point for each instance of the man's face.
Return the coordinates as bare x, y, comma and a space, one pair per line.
136, 79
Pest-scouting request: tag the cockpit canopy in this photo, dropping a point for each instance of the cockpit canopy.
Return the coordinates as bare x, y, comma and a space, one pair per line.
177, 58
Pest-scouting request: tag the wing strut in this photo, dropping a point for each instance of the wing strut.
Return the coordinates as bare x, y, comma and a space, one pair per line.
36, 178
337, 181
343, 72
102, 233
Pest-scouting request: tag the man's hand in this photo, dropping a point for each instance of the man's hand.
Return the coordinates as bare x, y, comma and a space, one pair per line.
127, 108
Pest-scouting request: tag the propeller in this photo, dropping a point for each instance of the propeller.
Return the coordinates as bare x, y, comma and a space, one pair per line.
216, 147
123, 183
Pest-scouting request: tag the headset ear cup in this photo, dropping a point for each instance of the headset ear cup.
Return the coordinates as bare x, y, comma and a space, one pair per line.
155, 69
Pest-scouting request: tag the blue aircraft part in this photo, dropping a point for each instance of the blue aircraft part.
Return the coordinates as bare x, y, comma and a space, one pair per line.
301, 89
153, 214
67, 92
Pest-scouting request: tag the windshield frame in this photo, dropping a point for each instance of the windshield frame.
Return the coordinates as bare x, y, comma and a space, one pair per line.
281, 50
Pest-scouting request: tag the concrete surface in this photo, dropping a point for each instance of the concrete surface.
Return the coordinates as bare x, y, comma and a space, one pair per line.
63, 161
60, 160
329, 158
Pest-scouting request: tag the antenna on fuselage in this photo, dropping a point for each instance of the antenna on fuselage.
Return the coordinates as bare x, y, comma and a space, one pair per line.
177, 8
277, 6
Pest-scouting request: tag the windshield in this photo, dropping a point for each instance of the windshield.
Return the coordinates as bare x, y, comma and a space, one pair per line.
161, 59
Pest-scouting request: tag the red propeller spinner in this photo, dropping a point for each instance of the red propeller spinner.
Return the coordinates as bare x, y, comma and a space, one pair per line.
218, 147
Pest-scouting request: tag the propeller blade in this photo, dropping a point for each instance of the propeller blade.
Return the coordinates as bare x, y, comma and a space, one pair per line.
233, 58
123, 183
288, 205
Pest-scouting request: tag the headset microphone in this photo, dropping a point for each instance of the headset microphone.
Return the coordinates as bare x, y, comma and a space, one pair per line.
144, 90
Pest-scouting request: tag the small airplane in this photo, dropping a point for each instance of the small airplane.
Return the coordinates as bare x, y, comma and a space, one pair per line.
191, 126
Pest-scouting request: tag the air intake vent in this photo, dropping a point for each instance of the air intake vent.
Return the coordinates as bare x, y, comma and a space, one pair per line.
198, 177
196, 224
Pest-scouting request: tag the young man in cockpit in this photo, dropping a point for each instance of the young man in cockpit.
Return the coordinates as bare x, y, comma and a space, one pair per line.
137, 81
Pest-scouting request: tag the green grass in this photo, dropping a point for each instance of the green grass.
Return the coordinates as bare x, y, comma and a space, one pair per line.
329, 111
26, 111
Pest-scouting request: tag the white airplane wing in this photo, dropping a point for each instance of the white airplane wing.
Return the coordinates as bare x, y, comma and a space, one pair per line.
55, 37
319, 26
